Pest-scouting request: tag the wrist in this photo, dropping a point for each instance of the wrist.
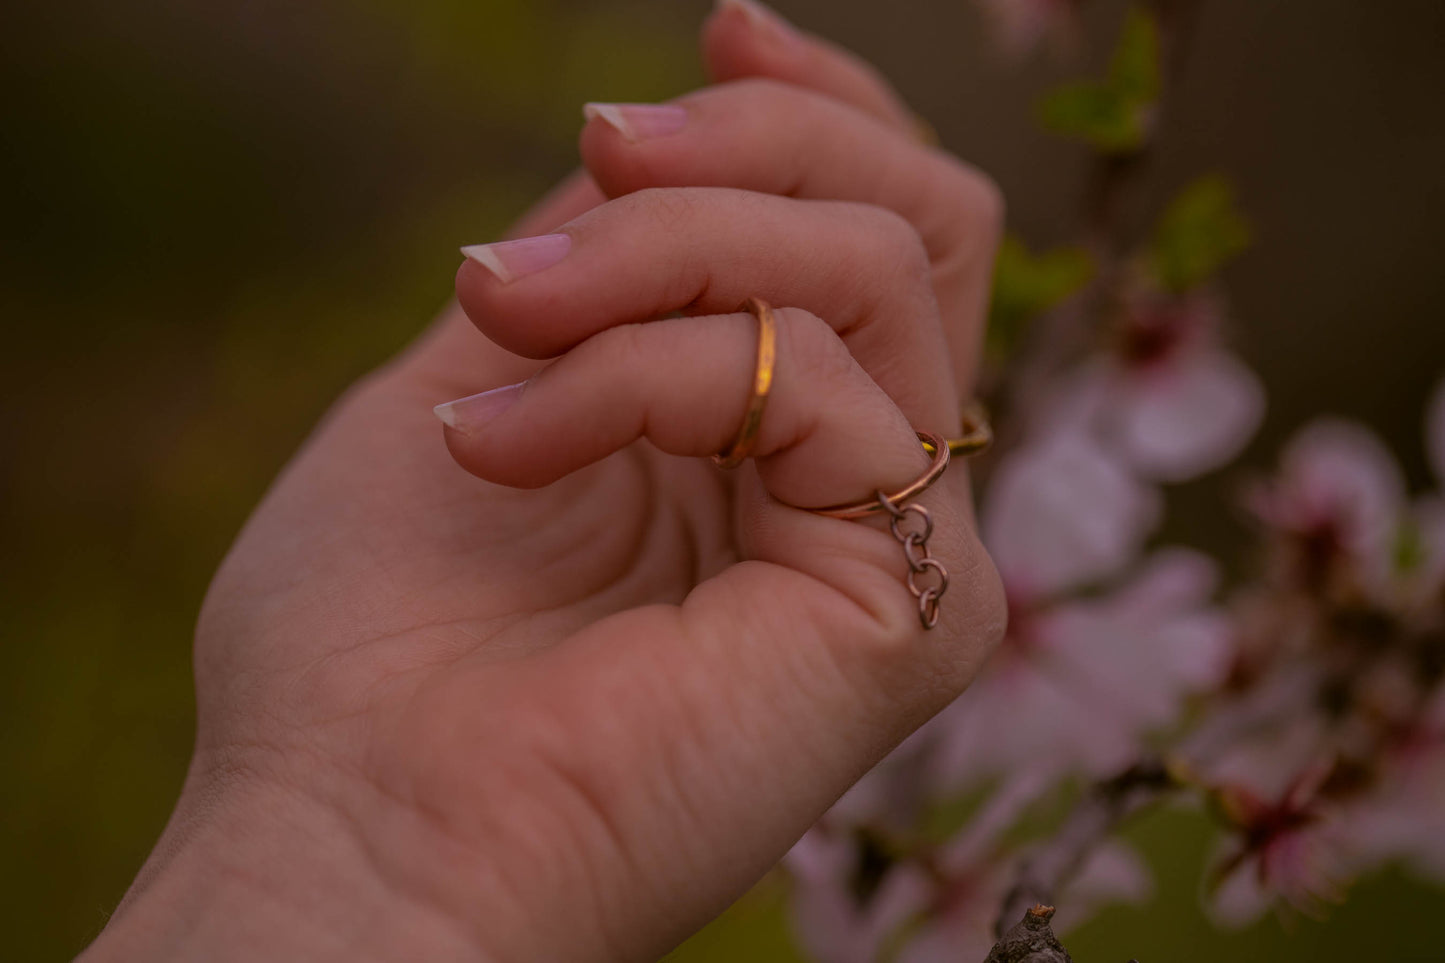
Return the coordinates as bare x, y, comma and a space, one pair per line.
252, 872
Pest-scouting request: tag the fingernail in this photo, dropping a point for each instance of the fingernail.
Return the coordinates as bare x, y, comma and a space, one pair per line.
510, 260
470, 413
764, 19
639, 122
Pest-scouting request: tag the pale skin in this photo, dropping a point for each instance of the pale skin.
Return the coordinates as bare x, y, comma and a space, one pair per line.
546, 684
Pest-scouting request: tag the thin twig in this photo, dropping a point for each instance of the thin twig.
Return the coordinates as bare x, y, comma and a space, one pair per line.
1048, 869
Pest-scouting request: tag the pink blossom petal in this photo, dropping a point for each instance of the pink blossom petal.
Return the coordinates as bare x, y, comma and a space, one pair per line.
1113, 873
821, 857
969, 848
1234, 723
1173, 580
1136, 675
827, 918
1179, 420
1269, 765
1341, 469
963, 928
1241, 898
1404, 819
1017, 720
1090, 681
1435, 431
1135, 655
1022, 24
1429, 516
962, 936
1060, 513
1305, 868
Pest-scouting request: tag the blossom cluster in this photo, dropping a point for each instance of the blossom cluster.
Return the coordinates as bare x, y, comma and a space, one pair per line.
1305, 704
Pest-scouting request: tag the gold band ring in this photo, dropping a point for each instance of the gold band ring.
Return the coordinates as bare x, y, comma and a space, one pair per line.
934, 445
924, 132
977, 433
762, 385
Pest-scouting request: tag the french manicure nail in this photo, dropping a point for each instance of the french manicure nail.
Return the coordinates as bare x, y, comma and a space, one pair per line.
470, 413
510, 260
639, 122
764, 19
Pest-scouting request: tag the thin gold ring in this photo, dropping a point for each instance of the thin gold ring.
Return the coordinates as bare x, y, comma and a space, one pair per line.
924, 132
936, 446
762, 385
977, 433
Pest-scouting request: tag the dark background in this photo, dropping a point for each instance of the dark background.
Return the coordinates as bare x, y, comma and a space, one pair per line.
215, 216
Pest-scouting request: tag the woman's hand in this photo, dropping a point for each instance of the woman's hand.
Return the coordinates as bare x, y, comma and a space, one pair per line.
571, 710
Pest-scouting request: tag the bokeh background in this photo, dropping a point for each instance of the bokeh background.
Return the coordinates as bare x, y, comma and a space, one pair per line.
213, 217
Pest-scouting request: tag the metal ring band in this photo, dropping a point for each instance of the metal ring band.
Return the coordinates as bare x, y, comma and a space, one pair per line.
977, 433
934, 445
762, 385
924, 132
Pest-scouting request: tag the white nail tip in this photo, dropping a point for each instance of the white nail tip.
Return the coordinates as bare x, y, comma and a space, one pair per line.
612, 115
487, 258
446, 414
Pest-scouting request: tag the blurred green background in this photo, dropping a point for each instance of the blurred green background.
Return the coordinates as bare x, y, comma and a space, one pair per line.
215, 216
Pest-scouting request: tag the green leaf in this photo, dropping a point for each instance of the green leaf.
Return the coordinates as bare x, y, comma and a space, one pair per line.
1026, 285
1200, 231
1134, 70
1112, 115
1097, 115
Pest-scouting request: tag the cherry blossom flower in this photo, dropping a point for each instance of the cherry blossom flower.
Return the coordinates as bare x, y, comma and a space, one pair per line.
1404, 818
1075, 688
962, 925
1339, 500
1427, 517
1286, 853
1022, 24
839, 915
1077, 683
1166, 396
1060, 513
1266, 763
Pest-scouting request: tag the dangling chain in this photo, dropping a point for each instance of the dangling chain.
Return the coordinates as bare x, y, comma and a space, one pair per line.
915, 550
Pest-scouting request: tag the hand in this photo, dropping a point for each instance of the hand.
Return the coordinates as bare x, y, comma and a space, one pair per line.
445, 718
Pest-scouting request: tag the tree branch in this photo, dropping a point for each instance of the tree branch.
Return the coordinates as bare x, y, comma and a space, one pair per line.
1097, 815
1031, 940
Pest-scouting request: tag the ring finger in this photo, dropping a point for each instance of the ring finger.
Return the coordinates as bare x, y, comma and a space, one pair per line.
829, 435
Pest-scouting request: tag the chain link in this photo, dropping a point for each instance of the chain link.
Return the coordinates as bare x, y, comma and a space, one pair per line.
915, 551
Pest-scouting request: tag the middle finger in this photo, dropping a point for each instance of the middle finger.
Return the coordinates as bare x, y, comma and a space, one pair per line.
766, 136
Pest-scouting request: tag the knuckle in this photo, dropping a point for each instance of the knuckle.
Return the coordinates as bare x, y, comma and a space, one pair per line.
814, 348
615, 349
764, 93
897, 235
669, 209
977, 197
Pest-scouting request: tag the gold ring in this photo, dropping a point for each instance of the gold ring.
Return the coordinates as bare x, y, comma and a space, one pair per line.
977, 433
762, 384
924, 132
936, 446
